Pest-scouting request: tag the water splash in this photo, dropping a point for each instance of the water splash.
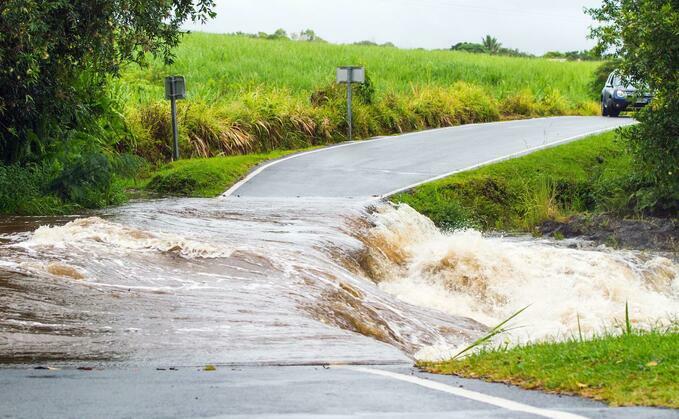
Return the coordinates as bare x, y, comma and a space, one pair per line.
95, 232
490, 278
297, 281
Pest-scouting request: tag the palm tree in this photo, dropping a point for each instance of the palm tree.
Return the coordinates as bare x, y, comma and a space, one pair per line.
491, 44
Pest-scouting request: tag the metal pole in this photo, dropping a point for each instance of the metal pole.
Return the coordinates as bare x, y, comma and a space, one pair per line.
350, 78
175, 130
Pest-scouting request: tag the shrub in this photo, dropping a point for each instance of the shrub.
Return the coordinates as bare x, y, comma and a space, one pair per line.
87, 181
21, 190
641, 36
521, 103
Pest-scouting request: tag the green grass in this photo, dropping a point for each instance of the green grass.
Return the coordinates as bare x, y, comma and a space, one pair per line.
638, 369
519, 194
202, 178
251, 95
219, 67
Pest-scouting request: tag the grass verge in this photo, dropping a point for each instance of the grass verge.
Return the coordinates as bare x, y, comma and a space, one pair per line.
520, 194
639, 369
201, 178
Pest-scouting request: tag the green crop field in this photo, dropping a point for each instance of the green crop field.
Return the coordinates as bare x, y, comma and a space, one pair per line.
252, 95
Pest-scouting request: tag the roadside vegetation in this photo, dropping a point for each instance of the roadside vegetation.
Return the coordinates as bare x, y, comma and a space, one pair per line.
73, 124
86, 136
630, 173
633, 173
590, 175
200, 178
256, 94
629, 369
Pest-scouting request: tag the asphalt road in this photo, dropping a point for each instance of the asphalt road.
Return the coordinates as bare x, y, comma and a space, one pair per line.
281, 392
384, 166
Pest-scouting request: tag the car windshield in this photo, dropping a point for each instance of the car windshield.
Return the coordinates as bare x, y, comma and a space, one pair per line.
617, 82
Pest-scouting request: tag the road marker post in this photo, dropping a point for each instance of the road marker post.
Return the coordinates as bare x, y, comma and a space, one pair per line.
350, 75
175, 88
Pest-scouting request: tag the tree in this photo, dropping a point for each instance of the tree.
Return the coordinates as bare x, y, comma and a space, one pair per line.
56, 55
279, 34
491, 44
308, 35
469, 47
641, 35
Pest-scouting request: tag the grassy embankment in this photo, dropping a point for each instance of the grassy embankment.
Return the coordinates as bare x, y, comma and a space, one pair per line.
255, 96
633, 369
520, 194
250, 95
200, 177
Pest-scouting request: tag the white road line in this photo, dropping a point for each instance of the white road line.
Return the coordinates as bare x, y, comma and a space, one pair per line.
467, 394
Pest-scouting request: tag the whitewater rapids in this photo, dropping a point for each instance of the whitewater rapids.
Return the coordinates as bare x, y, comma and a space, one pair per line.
290, 282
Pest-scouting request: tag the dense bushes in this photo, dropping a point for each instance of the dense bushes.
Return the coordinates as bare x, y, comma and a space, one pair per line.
642, 37
55, 187
22, 190
61, 132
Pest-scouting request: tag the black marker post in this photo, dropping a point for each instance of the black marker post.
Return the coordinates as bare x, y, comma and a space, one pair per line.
175, 88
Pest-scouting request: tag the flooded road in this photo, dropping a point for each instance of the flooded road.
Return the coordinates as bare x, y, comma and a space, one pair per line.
290, 281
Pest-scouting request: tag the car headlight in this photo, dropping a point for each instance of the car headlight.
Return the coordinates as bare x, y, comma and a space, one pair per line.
620, 93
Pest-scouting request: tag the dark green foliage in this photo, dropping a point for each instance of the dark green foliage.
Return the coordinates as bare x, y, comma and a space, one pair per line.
584, 55
61, 130
488, 45
86, 181
491, 44
655, 144
600, 76
55, 55
22, 190
642, 36
469, 47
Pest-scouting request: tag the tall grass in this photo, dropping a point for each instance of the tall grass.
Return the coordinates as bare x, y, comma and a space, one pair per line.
251, 95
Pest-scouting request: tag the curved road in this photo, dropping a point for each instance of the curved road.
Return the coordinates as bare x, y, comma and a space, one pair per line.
388, 165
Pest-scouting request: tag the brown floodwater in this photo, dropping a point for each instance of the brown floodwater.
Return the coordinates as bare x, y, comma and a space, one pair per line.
242, 281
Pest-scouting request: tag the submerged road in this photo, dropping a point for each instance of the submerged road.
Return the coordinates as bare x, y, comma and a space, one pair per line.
384, 166
363, 169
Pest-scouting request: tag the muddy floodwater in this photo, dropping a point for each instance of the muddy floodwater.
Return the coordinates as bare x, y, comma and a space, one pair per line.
240, 281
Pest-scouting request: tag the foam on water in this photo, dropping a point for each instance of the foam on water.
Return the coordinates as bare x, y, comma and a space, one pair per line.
299, 281
491, 278
95, 232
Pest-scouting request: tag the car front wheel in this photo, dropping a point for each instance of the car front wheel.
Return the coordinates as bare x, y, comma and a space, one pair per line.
604, 108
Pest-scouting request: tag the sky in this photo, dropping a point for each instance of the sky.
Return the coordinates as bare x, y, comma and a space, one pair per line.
534, 26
